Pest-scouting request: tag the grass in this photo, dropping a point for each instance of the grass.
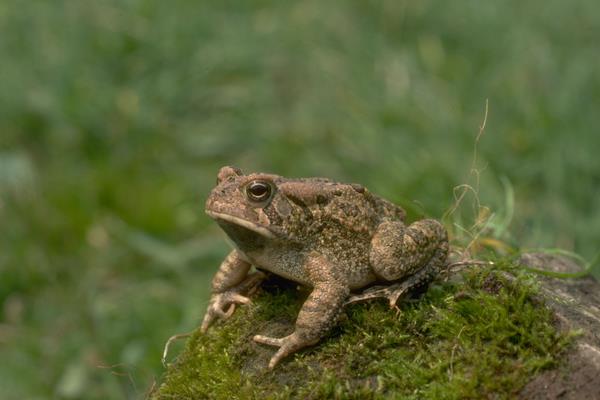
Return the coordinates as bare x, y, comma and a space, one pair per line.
480, 337
116, 115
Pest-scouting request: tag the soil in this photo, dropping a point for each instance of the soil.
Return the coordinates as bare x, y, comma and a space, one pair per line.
576, 303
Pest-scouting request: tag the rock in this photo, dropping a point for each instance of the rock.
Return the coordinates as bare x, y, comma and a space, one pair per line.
576, 304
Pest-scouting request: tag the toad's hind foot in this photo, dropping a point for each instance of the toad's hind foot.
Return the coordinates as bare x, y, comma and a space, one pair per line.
392, 293
396, 290
287, 345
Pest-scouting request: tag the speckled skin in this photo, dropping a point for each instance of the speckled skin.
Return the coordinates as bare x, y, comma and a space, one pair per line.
330, 236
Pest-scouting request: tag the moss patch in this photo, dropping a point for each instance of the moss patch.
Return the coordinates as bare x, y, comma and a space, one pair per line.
482, 335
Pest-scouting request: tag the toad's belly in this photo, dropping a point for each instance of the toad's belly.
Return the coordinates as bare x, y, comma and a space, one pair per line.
361, 277
282, 262
290, 264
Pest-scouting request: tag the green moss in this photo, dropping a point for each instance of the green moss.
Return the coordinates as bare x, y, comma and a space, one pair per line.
481, 335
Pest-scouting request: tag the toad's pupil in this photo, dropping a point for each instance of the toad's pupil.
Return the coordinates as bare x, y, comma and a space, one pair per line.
258, 190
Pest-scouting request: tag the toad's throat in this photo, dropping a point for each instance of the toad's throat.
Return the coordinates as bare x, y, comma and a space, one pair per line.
261, 230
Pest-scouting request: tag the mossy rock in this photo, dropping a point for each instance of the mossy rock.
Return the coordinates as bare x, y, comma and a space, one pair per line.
485, 333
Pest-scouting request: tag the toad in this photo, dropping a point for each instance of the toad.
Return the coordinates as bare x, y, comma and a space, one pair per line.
334, 238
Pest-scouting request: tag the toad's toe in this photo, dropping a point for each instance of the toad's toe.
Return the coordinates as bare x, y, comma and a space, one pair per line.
277, 342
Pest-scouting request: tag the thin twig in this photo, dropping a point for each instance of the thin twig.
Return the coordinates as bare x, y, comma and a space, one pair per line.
171, 340
470, 262
150, 390
460, 191
458, 265
116, 373
451, 372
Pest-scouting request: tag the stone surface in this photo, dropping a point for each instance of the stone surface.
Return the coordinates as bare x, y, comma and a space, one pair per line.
576, 303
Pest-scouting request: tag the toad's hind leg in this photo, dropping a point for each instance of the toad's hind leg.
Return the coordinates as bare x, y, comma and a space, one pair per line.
412, 256
398, 289
398, 251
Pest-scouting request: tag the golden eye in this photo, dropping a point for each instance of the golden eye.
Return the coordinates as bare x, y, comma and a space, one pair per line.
258, 191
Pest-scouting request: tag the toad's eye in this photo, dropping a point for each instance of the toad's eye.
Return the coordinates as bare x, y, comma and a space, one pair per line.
258, 191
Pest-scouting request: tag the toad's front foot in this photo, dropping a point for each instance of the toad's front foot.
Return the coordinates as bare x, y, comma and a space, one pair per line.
287, 345
222, 305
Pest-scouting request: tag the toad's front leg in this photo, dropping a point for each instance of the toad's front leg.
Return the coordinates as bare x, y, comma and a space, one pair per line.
319, 312
230, 286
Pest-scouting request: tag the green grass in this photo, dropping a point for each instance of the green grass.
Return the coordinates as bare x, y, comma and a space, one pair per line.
116, 115
478, 338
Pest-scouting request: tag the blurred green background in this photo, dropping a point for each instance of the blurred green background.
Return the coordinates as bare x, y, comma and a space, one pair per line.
115, 117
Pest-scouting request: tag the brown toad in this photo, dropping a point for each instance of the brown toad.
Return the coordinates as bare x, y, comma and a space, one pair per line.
332, 237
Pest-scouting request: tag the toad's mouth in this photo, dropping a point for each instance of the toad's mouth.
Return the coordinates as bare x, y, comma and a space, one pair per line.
261, 230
